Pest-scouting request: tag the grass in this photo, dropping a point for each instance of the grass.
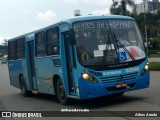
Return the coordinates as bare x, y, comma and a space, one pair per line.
155, 66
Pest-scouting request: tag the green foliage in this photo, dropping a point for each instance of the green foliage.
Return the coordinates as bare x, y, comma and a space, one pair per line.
5, 42
152, 22
153, 51
118, 7
154, 66
153, 28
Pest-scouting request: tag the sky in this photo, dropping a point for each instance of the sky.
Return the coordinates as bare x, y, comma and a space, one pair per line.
18, 17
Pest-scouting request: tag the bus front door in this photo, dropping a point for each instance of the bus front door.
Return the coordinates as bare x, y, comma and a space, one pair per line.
31, 65
70, 64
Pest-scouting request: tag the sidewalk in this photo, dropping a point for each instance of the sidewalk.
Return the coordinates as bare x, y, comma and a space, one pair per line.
155, 59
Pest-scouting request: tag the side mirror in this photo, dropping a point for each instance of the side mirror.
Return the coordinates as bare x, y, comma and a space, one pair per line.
70, 37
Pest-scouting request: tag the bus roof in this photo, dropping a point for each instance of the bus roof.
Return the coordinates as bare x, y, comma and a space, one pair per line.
90, 17
76, 19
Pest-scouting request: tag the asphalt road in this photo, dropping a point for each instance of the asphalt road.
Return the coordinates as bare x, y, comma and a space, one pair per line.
141, 100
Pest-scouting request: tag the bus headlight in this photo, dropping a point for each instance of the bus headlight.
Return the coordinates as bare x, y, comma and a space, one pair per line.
146, 68
85, 76
88, 77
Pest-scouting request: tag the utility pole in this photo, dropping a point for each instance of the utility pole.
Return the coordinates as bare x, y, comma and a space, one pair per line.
145, 26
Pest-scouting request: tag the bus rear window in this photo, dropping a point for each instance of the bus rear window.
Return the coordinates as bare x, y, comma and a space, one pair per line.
11, 51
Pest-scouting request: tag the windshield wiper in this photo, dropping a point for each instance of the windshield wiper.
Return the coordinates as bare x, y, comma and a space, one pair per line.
109, 49
119, 43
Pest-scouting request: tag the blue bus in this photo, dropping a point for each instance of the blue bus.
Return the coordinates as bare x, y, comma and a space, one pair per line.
80, 58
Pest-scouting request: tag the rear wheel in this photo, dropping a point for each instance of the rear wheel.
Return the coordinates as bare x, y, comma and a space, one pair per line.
24, 91
61, 93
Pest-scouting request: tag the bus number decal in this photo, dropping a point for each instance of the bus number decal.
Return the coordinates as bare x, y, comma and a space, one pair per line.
133, 69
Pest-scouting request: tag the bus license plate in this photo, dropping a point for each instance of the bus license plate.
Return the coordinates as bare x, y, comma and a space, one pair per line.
121, 85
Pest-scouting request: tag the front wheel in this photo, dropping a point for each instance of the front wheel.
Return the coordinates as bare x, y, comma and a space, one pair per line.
61, 93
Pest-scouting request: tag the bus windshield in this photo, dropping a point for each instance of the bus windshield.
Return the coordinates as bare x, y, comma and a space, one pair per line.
106, 42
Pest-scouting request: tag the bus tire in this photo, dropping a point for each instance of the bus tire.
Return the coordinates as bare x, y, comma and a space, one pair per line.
61, 93
24, 91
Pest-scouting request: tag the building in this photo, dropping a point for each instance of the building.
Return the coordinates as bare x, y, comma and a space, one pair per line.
150, 6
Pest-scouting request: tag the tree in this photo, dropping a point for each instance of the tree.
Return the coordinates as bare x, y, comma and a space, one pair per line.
5, 42
155, 37
120, 6
153, 28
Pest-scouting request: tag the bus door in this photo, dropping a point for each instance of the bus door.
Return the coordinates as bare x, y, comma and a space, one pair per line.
70, 63
31, 65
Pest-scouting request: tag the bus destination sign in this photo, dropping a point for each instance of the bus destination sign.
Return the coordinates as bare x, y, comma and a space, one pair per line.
104, 24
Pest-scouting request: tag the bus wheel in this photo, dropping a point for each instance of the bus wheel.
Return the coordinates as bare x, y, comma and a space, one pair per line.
61, 93
24, 91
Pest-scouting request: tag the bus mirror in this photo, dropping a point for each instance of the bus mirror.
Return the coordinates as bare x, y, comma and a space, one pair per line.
70, 37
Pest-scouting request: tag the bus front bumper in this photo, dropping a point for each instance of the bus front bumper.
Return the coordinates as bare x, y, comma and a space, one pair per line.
90, 90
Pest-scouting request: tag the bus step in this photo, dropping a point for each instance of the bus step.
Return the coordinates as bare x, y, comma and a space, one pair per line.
35, 91
72, 93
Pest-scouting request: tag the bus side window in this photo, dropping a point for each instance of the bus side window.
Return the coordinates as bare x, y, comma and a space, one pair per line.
52, 42
11, 51
40, 44
20, 48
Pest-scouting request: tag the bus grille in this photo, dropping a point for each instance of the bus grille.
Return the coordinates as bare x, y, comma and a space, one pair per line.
98, 74
119, 78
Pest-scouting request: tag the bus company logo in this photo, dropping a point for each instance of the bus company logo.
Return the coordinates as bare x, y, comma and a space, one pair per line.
6, 114
112, 73
120, 77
